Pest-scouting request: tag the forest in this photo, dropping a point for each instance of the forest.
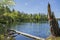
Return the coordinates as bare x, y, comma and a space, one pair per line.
16, 16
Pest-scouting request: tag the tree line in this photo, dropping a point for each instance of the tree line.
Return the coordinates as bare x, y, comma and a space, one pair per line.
16, 16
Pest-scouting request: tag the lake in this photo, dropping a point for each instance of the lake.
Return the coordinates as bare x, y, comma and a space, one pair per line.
36, 29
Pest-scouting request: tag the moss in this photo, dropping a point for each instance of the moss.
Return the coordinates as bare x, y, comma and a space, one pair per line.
53, 38
2, 37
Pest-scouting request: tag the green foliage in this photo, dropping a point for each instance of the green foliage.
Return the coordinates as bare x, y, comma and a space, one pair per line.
16, 16
7, 3
1, 10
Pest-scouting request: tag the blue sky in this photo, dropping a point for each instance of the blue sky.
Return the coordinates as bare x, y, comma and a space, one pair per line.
36, 6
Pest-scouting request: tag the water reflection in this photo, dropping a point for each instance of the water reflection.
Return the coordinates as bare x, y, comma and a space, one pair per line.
37, 29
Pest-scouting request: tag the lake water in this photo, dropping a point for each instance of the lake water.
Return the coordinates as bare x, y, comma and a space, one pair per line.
36, 29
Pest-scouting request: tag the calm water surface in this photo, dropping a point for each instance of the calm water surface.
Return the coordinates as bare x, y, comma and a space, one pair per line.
36, 29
